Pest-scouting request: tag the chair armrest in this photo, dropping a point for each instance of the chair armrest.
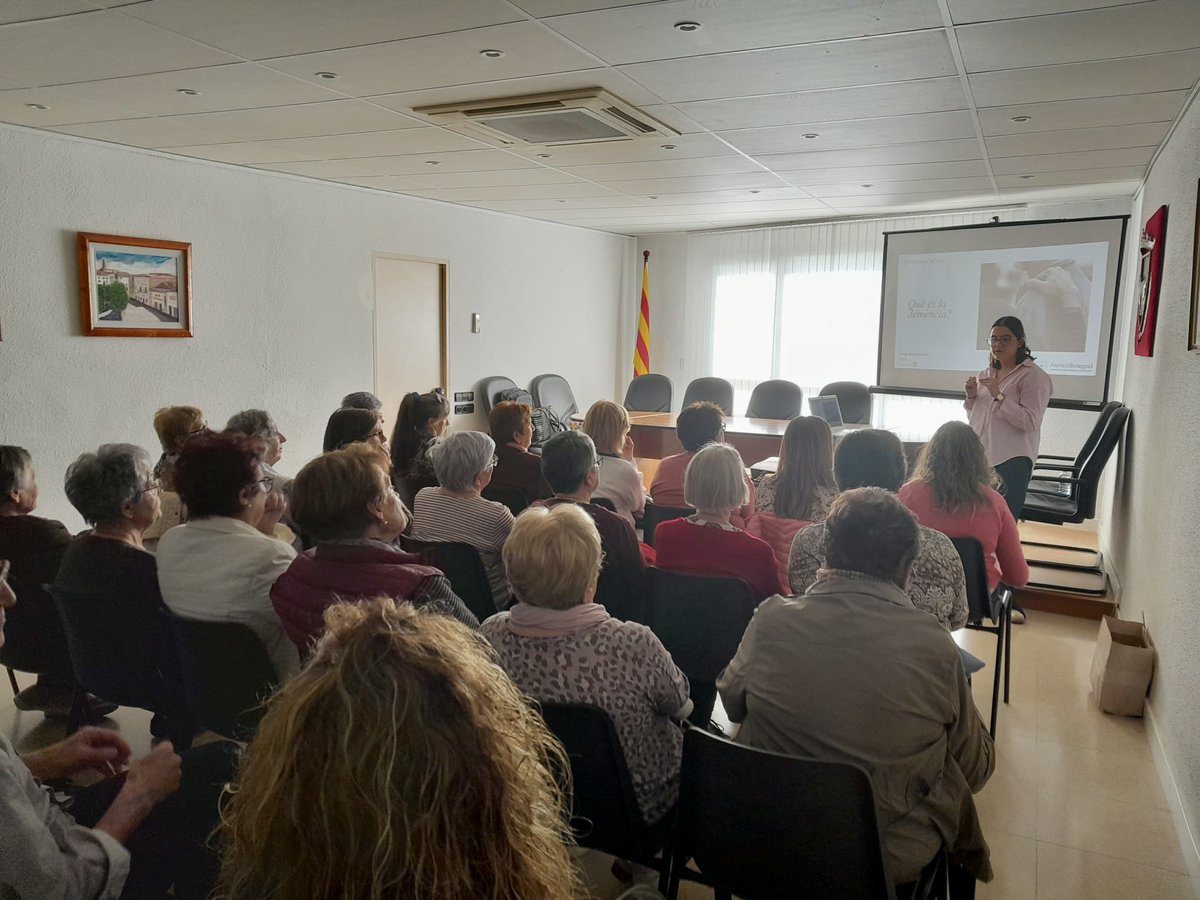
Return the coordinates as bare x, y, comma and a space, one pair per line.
1053, 467
1052, 456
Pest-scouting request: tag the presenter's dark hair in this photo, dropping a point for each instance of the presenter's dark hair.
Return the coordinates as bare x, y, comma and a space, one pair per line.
1017, 327
412, 426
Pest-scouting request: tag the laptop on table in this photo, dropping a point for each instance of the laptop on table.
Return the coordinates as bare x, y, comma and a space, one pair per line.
827, 407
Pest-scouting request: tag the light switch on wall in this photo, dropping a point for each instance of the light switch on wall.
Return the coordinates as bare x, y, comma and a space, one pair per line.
475, 323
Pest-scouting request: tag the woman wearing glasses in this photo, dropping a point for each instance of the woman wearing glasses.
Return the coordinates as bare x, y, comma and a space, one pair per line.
219, 566
1005, 404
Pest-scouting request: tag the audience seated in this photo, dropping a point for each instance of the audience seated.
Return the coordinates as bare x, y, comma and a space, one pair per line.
34, 547
115, 491
131, 836
706, 543
803, 486
607, 424
175, 426
697, 424
455, 512
219, 566
354, 426
517, 468
570, 465
345, 501
875, 458
362, 400
559, 646
852, 672
954, 490
398, 764
420, 421
257, 423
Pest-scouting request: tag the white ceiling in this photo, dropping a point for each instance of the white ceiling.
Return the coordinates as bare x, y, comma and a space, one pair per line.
911, 101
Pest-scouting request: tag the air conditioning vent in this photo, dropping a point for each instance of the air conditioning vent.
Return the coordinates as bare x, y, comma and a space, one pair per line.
547, 120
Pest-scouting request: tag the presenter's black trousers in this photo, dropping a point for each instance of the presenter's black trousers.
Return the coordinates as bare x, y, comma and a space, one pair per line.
1015, 473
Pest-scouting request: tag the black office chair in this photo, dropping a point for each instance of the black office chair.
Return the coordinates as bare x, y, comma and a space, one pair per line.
604, 811
604, 503
700, 621
654, 515
649, 393
714, 390
775, 399
995, 607
1050, 471
775, 827
463, 568
1051, 507
854, 400
491, 386
226, 673
127, 660
514, 498
35, 642
552, 392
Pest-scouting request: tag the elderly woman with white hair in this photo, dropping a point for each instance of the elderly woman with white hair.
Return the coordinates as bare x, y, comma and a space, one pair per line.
705, 543
455, 512
559, 646
258, 424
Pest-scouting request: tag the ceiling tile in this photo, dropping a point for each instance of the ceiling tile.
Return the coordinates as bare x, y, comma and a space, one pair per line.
667, 168
519, 192
1079, 176
441, 60
267, 28
302, 120
320, 168
934, 151
380, 143
438, 179
787, 194
456, 161
671, 116
1074, 81
983, 197
1075, 140
562, 7
1154, 26
966, 11
689, 184
63, 108
896, 188
34, 10
155, 134
643, 33
610, 201
240, 154
1074, 192
95, 45
874, 60
237, 86
1092, 113
648, 149
862, 133
839, 104
910, 172
1068, 162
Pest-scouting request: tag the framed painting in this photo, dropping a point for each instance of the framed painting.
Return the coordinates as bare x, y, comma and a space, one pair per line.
1194, 320
134, 287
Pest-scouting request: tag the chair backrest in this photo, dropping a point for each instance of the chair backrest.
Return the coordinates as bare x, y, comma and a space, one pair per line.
1091, 468
491, 386
34, 640
654, 515
714, 390
604, 503
604, 810
649, 393
854, 399
776, 827
779, 533
775, 399
463, 568
512, 497
226, 673
974, 564
553, 392
1093, 437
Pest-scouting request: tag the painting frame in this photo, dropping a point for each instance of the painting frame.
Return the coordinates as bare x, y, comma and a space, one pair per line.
152, 304
1194, 318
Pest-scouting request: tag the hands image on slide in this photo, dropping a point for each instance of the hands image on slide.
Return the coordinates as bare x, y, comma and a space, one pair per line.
1050, 297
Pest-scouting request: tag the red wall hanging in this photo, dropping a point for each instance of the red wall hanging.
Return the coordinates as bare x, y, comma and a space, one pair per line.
1150, 266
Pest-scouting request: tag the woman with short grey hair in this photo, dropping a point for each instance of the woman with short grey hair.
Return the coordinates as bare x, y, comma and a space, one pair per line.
103, 484
706, 543
456, 512
257, 423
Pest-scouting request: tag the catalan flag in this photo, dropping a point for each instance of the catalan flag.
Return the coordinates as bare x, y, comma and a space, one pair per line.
641, 355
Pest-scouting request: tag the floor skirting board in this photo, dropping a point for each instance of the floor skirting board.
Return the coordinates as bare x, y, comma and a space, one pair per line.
1185, 824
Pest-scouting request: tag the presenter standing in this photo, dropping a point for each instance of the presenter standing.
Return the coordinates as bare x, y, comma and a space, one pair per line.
1005, 404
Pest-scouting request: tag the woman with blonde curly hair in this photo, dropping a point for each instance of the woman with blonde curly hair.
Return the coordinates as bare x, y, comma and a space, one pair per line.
953, 490
399, 763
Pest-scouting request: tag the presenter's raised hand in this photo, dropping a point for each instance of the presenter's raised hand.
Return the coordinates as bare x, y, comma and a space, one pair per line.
972, 388
990, 384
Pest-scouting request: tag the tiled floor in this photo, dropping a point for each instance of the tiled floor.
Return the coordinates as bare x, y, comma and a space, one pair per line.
1075, 810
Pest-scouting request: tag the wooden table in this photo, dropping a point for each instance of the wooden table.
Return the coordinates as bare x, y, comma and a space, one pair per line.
654, 435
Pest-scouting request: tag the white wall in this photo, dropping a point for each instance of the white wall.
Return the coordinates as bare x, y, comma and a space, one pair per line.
283, 297
1150, 525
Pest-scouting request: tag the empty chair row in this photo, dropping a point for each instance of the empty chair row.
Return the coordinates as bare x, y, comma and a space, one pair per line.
774, 399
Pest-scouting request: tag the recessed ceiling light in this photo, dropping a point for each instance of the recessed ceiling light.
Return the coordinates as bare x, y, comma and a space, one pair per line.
811, 135
654, 197
544, 155
1022, 118
491, 54
756, 192
37, 106
687, 26
188, 92
1025, 177
668, 146
432, 162
328, 76
867, 185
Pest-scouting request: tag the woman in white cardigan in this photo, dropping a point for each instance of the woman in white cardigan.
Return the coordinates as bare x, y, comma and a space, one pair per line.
607, 424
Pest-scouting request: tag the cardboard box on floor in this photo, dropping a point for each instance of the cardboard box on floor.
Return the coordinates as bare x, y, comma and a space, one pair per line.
1122, 666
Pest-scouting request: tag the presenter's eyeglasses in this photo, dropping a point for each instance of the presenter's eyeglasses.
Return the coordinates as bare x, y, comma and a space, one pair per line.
1001, 341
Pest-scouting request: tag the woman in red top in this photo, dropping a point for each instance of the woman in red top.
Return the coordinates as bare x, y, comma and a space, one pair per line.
953, 491
706, 543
